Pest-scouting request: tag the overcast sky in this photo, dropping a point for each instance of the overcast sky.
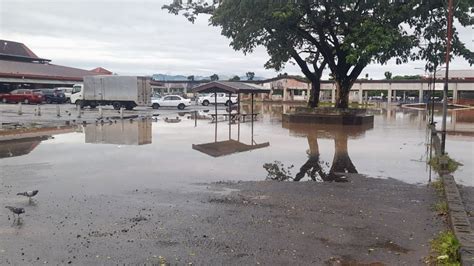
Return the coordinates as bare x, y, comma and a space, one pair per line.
137, 37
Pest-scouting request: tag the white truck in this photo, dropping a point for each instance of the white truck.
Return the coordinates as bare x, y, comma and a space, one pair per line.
118, 91
222, 98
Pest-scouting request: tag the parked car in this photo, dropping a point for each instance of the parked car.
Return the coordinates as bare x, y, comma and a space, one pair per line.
170, 101
25, 96
53, 96
222, 98
67, 92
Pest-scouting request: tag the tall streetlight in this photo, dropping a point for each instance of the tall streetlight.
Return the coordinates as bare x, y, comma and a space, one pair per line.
445, 91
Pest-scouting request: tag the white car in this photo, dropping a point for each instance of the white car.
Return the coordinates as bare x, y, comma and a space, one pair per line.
222, 98
170, 101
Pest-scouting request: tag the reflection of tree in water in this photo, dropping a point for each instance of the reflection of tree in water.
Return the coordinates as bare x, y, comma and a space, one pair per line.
314, 166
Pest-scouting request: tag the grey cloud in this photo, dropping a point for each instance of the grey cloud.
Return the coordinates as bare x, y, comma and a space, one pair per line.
137, 37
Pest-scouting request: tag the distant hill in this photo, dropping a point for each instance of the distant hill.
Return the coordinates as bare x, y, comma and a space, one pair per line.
166, 77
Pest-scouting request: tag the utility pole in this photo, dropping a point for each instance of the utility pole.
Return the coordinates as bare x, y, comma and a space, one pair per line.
445, 91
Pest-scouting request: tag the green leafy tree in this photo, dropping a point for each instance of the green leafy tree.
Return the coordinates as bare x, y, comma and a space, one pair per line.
235, 78
343, 35
214, 77
388, 75
191, 78
250, 75
430, 24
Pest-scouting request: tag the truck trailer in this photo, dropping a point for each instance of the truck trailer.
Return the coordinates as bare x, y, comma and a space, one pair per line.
118, 91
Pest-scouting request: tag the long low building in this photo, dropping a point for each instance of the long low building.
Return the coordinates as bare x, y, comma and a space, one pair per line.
22, 68
292, 88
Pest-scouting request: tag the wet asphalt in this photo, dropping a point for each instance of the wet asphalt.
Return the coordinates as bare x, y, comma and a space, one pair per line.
363, 221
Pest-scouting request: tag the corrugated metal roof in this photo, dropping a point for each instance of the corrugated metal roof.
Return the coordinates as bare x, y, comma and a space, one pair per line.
457, 74
16, 49
230, 87
102, 71
41, 71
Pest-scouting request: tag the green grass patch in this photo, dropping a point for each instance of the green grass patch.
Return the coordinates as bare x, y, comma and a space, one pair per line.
445, 248
439, 187
441, 208
444, 163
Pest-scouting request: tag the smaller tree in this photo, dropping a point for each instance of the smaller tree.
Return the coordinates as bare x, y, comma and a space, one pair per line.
235, 78
191, 78
250, 75
214, 77
388, 75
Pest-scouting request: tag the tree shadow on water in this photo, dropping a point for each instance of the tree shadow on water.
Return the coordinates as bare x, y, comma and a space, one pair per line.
315, 168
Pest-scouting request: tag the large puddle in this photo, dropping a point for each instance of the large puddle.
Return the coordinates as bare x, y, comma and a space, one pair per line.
176, 153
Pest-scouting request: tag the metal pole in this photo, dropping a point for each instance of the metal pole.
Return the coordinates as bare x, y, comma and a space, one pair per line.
230, 111
215, 112
432, 100
238, 104
252, 119
445, 91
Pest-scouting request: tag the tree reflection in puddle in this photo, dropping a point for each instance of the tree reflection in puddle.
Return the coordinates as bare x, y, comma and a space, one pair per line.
315, 168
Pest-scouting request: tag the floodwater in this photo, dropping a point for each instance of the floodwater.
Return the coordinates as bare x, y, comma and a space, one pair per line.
181, 151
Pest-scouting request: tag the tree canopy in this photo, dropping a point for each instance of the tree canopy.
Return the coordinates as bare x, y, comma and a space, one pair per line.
250, 75
214, 77
344, 35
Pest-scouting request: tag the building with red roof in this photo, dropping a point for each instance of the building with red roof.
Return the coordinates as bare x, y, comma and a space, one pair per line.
22, 68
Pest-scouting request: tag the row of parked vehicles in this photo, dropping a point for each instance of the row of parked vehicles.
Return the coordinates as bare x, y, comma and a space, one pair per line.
38, 96
119, 91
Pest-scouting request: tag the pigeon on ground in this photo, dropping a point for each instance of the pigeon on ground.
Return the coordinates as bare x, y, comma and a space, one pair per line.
15, 210
28, 194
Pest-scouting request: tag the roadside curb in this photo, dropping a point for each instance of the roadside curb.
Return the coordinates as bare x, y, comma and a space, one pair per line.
458, 220
456, 210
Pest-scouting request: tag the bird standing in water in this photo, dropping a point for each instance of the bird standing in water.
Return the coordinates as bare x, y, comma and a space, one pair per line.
16, 211
28, 194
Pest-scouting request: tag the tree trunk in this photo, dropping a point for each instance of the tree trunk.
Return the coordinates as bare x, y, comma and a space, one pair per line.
342, 94
312, 167
313, 101
341, 163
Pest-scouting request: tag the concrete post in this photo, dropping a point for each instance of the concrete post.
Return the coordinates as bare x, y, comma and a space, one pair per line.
389, 96
58, 111
121, 112
101, 112
366, 97
20, 112
420, 95
361, 92
404, 96
39, 110
455, 93
284, 94
333, 94
78, 108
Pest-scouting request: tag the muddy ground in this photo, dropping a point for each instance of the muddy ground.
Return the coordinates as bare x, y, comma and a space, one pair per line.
362, 221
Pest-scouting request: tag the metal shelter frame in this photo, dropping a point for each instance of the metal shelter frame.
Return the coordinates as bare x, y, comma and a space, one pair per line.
230, 88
